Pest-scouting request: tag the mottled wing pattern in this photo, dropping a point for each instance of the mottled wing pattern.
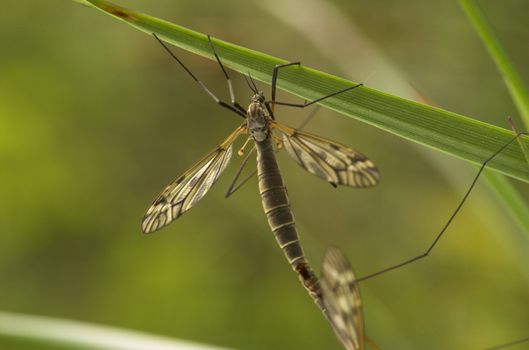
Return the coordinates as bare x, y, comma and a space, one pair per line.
341, 298
331, 161
189, 188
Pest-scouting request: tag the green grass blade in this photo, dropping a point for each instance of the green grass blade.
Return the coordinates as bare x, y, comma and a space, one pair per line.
46, 332
504, 190
516, 86
449, 132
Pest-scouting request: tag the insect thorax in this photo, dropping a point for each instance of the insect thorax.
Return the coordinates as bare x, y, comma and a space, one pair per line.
257, 118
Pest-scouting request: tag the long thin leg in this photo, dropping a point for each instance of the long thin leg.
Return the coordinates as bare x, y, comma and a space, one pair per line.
524, 148
230, 87
450, 219
506, 345
308, 103
215, 98
231, 190
273, 101
374, 345
308, 118
274, 79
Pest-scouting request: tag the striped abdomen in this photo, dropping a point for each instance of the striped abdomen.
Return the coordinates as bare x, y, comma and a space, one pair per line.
280, 218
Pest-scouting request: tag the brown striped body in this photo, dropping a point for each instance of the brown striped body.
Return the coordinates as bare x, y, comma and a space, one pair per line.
280, 218
275, 199
276, 204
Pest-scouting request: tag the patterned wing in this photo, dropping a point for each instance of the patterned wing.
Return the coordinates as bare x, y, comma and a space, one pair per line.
189, 188
333, 162
342, 299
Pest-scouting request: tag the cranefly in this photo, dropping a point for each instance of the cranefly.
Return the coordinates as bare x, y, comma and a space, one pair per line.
331, 161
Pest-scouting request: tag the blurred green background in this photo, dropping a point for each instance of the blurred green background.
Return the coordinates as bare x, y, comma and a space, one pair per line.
95, 119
